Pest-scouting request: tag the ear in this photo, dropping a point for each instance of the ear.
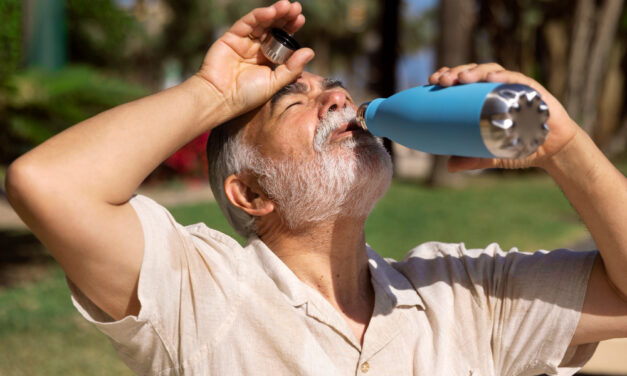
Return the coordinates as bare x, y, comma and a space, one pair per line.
245, 193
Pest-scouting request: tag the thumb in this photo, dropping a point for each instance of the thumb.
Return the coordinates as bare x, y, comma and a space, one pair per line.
293, 67
456, 163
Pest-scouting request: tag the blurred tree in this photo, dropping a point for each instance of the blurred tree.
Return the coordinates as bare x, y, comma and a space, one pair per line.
337, 30
45, 33
583, 97
10, 37
101, 33
456, 21
573, 50
383, 70
36, 104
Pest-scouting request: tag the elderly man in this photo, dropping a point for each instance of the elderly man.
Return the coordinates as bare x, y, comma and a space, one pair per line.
306, 295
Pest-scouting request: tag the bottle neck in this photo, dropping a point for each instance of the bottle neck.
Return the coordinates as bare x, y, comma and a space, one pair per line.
361, 115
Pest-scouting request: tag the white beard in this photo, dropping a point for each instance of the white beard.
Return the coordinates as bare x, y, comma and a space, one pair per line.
343, 180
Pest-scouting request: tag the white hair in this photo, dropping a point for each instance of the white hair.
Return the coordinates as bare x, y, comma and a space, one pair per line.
227, 154
340, 180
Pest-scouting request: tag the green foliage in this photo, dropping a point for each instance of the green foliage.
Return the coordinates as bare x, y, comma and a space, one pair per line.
418, 31
100, 33
336, 18
35, 104
10, 36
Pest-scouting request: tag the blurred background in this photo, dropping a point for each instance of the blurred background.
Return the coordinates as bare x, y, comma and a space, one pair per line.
62, 61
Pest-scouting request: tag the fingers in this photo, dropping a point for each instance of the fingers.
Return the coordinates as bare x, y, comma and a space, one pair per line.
449, 76
509, 77
295, 25
293, 67
456, 164
281, 14
464, 74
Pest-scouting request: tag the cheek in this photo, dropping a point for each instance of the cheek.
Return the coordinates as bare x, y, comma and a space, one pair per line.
297, 133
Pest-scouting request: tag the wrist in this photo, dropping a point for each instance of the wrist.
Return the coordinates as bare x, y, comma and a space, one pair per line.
579, 157
212, 109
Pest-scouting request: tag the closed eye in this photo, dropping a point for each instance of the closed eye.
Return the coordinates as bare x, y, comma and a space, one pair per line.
292, 104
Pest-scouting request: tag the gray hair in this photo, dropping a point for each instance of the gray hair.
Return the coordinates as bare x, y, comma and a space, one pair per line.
227, 154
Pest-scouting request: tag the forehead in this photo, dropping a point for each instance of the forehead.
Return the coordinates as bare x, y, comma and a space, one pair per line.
304, 84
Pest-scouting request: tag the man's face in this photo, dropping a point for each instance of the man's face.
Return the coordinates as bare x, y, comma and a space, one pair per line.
315, 162
285, 127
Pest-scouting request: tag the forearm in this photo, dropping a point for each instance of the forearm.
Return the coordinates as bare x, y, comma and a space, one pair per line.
106, 157
598, 191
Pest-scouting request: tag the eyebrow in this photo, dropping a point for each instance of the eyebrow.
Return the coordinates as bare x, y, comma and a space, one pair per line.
300, 88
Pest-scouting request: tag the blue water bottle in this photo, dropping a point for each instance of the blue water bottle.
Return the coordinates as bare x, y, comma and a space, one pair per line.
489, 120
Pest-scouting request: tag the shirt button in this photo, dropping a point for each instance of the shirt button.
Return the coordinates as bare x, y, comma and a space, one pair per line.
365, 367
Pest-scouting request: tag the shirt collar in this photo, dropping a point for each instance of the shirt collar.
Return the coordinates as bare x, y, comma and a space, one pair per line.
286, 281
385, 278
392, 283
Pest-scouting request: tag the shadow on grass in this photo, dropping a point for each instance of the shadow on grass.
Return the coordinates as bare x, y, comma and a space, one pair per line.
23, 258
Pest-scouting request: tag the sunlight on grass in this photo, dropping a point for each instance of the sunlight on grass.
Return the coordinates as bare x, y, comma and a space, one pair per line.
42, 334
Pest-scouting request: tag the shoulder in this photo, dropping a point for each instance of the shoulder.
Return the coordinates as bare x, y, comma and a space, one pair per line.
448, 261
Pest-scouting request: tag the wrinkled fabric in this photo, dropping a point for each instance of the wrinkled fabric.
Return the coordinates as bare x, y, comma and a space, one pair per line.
212, 307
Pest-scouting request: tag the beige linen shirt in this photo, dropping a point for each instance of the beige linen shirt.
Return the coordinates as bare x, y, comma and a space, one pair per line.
213, 307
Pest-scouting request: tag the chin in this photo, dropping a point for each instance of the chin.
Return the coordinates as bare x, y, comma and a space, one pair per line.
373, 175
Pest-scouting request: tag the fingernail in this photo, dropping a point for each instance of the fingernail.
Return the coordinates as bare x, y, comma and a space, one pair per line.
445, 73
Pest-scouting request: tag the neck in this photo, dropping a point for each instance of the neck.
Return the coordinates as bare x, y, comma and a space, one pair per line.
331, 258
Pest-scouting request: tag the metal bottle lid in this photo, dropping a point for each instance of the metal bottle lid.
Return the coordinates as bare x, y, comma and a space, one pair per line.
279, 46
361, 115
513, 121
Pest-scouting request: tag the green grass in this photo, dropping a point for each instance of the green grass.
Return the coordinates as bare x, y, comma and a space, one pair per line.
42, 334
529, 214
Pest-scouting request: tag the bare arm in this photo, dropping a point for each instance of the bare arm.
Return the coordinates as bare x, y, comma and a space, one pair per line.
598, 191
595, 188
73, 190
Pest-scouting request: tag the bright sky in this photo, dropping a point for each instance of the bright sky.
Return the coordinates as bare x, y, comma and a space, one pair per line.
419, 6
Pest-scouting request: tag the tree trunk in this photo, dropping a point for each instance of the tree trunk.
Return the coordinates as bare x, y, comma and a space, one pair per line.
579, 51
388, 54
618, 145
557, 41
457, 20
611, 98
603, 41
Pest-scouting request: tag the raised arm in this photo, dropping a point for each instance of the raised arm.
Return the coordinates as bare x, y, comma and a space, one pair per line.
595, 188
73, 190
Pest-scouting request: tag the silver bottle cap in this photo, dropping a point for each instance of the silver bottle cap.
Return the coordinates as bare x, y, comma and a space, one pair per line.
279, 46
513, 121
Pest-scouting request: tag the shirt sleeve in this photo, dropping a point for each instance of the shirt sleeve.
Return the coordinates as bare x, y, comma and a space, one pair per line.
187, 273
534, 301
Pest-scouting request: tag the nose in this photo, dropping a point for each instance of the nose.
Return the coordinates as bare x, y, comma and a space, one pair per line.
331, 100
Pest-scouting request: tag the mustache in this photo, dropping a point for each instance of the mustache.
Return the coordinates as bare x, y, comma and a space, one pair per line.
333, 121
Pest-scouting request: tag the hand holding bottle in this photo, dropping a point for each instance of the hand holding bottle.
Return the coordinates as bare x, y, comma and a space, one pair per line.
563, 128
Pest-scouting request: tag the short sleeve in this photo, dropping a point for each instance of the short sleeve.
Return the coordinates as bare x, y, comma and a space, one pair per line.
186, 273
535, 301
512, 313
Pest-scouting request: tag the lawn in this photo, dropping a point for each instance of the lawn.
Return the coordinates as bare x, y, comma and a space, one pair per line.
41, 334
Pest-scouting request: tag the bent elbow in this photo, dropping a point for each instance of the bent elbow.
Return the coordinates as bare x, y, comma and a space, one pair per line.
20, 183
